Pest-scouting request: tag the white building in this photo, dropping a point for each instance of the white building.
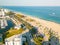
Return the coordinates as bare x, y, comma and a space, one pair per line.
3, 21
8, 42
14, 40
18, 26
18, 41
2, 14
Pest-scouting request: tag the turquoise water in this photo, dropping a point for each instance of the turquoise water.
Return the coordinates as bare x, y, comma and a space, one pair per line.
51, 13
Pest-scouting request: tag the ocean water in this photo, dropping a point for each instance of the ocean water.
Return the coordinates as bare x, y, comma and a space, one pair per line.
50, 13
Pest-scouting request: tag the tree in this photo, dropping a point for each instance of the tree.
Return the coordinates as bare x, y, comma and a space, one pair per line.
33, 30
53, 39
38, 39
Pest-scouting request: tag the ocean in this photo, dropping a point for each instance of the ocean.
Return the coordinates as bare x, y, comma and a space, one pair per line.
50, 13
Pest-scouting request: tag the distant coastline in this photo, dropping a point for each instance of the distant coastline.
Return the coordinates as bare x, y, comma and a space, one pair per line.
54, 26
37, 15
30, 15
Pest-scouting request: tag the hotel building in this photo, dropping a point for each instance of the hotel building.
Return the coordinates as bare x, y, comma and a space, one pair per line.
3, 21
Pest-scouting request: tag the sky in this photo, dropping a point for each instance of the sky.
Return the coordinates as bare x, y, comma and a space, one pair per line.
29, 2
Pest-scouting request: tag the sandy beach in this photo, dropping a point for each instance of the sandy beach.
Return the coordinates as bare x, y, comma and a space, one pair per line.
54, 26
50, 25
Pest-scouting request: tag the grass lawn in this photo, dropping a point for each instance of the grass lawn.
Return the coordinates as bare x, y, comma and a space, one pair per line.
12, 32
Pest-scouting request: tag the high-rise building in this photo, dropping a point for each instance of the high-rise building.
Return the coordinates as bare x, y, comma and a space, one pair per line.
3, 21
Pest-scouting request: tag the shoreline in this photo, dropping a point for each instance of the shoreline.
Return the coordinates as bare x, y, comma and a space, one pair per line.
50, 24
30, 15
35, 17
54, 26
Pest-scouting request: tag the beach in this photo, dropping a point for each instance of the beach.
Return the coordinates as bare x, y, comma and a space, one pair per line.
41, 24
49, 24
